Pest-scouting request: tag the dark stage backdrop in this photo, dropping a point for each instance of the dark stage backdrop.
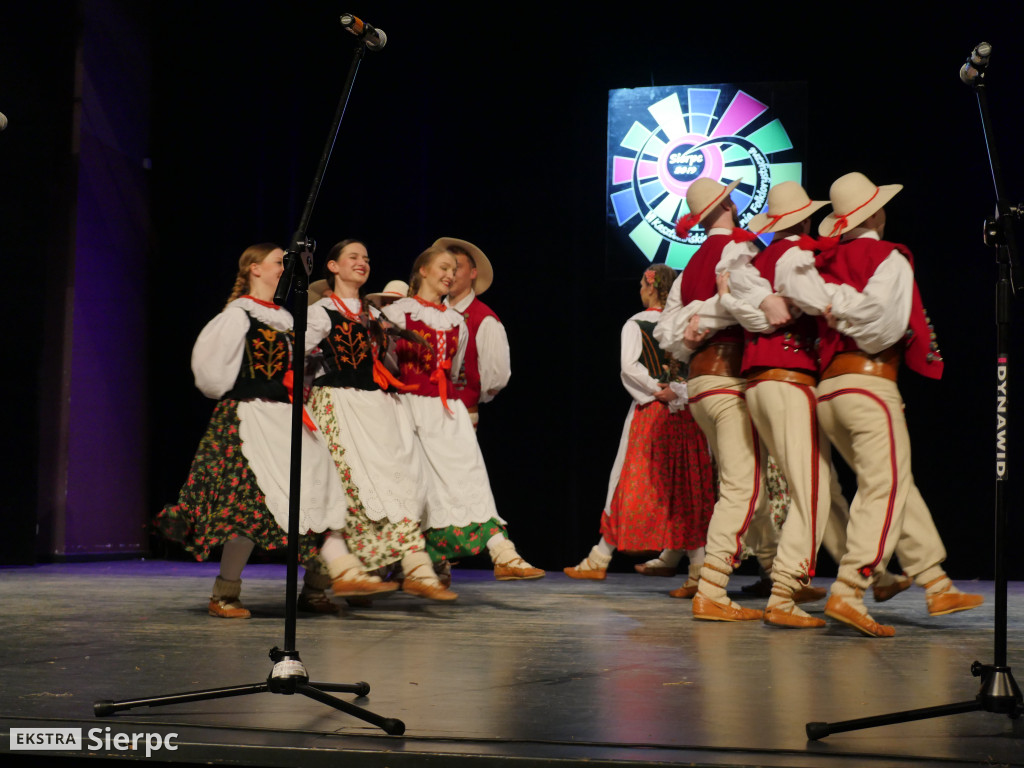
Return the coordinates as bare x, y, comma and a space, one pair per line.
492, 126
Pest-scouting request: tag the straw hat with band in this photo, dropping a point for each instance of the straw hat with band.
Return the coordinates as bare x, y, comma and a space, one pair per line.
484, 271
701, 198
316, 291
788, 204
394, 290
854, 198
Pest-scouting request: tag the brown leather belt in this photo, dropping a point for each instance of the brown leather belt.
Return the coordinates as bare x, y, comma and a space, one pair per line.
782, 374
885, 364
721, 359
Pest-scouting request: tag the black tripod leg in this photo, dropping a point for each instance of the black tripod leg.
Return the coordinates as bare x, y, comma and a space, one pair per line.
389, 725
821, 730
107, 707
359, 689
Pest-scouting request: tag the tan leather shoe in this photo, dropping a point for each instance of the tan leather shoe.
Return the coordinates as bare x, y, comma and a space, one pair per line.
951, 602
228, 608
778, 617
575, 572
517, 570
842, 611
686, 591
342, 587
709, 610
429, 590
883, 592
809, 594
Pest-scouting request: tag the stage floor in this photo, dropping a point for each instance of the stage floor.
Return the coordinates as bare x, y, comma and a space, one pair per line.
548, 672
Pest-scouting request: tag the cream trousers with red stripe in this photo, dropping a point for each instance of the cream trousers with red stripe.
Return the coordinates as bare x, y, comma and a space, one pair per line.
863, 417
718, 406
786, 419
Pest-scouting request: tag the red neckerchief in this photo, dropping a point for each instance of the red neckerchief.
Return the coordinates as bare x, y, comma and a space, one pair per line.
261, 302
742, 235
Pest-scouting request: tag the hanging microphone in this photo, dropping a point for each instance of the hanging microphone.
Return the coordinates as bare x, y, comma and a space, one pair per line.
374, 38
974, 68
3, 121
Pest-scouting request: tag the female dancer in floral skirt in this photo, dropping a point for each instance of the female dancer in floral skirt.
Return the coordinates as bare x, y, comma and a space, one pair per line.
237, 492
367, 430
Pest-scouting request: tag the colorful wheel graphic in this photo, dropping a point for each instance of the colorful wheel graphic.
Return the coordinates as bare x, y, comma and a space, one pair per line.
652, 166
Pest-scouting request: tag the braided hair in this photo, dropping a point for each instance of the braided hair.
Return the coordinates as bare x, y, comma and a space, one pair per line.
254, 254
661, 276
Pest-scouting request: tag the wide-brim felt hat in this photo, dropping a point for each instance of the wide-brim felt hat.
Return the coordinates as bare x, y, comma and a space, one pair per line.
394, 290
854, 198
788, 204
484, 271
701, 198
316, 291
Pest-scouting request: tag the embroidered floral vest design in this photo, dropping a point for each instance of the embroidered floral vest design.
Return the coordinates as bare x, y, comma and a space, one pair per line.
265, 360
348, 355
417, 363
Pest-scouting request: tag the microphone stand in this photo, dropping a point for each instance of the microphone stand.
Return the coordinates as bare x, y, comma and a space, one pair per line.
289, 675
999, 692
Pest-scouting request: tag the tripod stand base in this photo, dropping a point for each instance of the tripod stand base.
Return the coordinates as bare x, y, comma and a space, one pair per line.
999, 693
287, 686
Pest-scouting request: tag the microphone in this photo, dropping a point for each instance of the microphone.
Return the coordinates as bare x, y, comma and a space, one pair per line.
374, 38
3, 121
974, 68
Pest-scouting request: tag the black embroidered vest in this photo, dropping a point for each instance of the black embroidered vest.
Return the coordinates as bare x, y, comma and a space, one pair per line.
347, 355
265, 361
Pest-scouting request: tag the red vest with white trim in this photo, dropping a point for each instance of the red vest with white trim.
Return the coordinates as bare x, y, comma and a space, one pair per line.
791, 346
467, 383
853, 263
698, 283
416, 363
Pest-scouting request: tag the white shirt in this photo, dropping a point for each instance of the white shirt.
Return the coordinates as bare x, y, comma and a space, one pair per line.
675, 317
875, 318
493, 356
748, 288
217, 354
637, 380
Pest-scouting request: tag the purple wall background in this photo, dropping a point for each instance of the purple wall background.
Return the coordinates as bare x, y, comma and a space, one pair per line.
96, 450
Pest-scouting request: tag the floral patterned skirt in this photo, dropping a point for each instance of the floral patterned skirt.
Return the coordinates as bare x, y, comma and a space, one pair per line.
665, 494
457, 541
377, 543
221, 500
